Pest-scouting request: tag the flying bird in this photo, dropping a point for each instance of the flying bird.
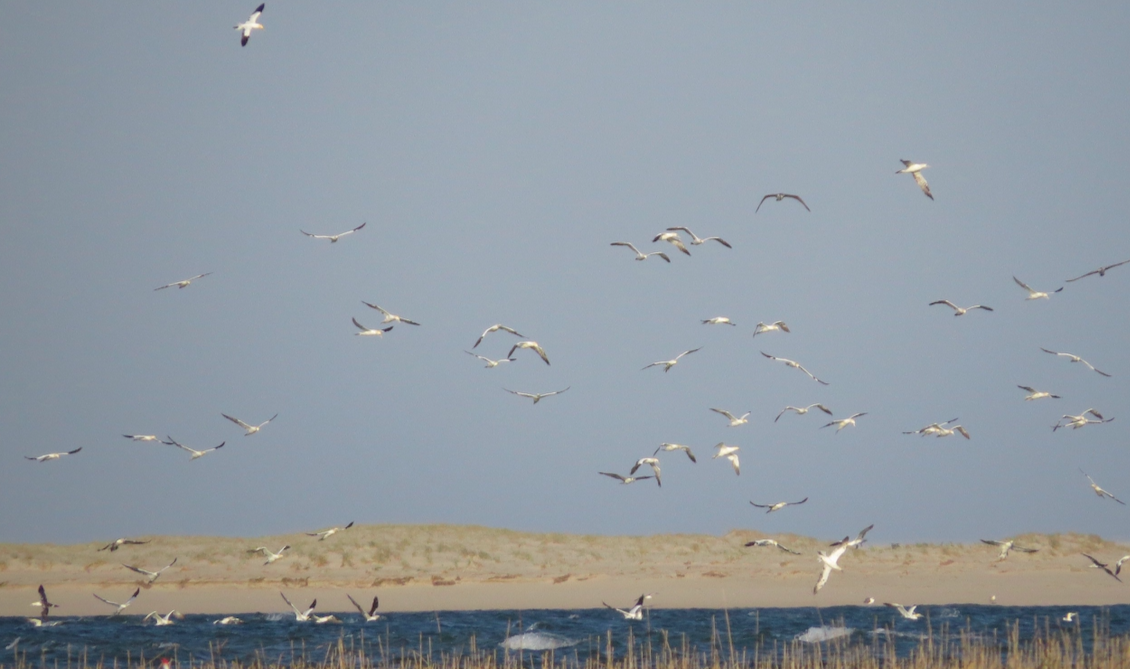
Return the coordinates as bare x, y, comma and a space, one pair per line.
300, 616
949, 432
162, 620
624, 479
1076, 422
829, 563
250, 24
718, 320
779, 197
668, 364
800, 411
676, 447
490, 364
640, 255
1099, 491
195, 453
141, 437
857, 541
271, 557
531, 345
1100, 271
182, 284
771, 542
370, 332
652, 462
844, 422
1095, 564
389, 316
1036, 394
1070, 616
322, 620
915, 169
1034, 294
696, 240
634, 613
909, 614
152, 575
673, 239
118, 543
333, 238
372, 615
44, 605
47, 457
1007, 546
537, 397
734, 420
775, 325
794, 364
961, 311
1074, 358
495, 328
251, 429
325, 534
731, 454
122, 605
778, 506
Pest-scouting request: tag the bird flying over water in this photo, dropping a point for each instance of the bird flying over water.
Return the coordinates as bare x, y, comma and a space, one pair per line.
1100, 271
300, 616
1074, 358
44, 605
778, 506
389, 317
162, 620
909, 614
960, 311
779, 197
668, 364
182, 284
795, 365
333, 238
121, 606
537, 397
252, 23
152, 575
915, 170
696, 240
47, 457
857, 541
251, 429
640, 255
372, 615
829, 563
635, 612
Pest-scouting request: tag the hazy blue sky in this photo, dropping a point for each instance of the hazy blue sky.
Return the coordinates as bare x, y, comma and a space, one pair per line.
495, 150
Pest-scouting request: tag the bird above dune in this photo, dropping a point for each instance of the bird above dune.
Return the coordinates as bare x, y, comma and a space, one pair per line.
718, 320
271, 557
490, 364
960, 311
1074, 358
668, 364
370, 332
624, 480
537, 397
829, 562
762, 328
915, 170
495, 328
673, 239
371, 615
1099, 491
251, 429
1095, 564
722, 450
182, 284
389, 317
1007, 546
118, 543
44, 605
676, 447
48, 457
735, 421
640, 255
333, 238
795, 365
151, 575
325, 534
195, 453
778, 197
858, 541
252, 23
771, 542
1100, 271
652, 462
531, 346
778, 506
800, 411
698, 241
1036, 394
1035, 294
121, 606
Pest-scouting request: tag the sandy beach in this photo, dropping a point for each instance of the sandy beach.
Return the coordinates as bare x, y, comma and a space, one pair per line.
447, 567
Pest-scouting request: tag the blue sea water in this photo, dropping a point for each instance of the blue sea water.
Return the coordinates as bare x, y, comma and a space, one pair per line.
572, 634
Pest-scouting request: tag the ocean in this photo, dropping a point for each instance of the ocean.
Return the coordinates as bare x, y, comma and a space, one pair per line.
574, 635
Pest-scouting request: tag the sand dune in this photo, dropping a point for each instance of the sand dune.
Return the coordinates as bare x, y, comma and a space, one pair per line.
448, 567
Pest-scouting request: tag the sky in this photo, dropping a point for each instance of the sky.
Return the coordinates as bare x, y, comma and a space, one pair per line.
494, 151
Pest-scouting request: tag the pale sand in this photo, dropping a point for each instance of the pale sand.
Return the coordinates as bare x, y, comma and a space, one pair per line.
445, 567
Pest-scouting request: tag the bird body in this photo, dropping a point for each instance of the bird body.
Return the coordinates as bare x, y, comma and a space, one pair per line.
1007, 546
495, 328
775, 325
795, 365
624, 479
271, 557
915, 170
830, 562
652, 462
633, 613
300, 616
844, 422
1074, 358
162, 620
909, 614
676, 447
195, 453
118, 543
44, 605
490, 364
718, 320
1095, 564
121, 606
800, 411
141, 437
731, 454
1036, 394
152, 575
1100, 271
1099, 491
771, 542
1076, 422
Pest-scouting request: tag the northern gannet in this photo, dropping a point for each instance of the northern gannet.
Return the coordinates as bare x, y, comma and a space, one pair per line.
909, 614
652, 462
915, 169
372, 615
949, 432
251, 429
961, 311
779, 197
1099, 491
829, 562
734, 420
490, 364
1095, 564
162, 620
1034, 294
195, 453
800, 411
778, 506
731, 454
389, 316
151, 574
250, 24
718, 320
182, 284
668, 364
1036, 394
1070, 616
1074, 358
118, 543
141, 437
537, 397
1076, 422
1007, 546
228, 620
325, 534
1100, 271
300, 616
673, 239
775, 325
271, 557
44, 605
857, 541
370, 332
634, 613
333, 238
495, 328
322, 620
122, 605
640, 255
794, 364
844, 422
771, 542
624, 479
676, 447
47, 457
696, 240
529, 345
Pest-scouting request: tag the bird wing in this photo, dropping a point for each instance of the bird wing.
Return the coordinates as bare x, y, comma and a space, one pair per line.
725, 413
661, 255
721, 241
359, 325
822, 408
797, 198
761, 506
150, 574
237, 421
787, 550
800, 502
763, 201
615, 476
296, 611
358, 606
921, 181
993, 542
827, 571
1023, 285
693, 350
949, 304
628, 244
353, 230
689, 454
